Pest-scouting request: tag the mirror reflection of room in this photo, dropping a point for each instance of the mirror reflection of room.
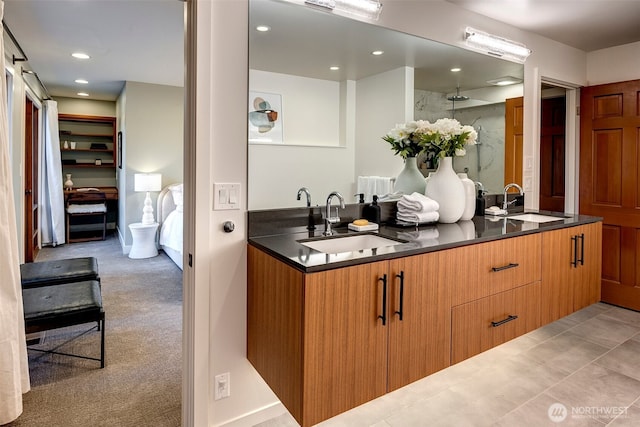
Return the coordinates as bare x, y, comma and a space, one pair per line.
332, 120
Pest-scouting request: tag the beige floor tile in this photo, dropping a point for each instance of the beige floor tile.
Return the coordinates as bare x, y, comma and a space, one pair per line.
605, 331
567, 352
623, 359
596, 387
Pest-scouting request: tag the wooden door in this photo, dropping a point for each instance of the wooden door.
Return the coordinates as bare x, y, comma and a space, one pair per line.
609, 183
345, 341
419, 315
552, 146
513, 134
31, 166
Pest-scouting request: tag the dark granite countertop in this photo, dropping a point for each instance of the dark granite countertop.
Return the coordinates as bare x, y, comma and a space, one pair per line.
416, 240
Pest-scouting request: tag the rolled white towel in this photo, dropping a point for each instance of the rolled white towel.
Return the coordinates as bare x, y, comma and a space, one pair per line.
417, 202
418, 217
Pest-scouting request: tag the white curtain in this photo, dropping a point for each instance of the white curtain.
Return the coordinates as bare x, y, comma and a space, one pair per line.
14, 369
53, 232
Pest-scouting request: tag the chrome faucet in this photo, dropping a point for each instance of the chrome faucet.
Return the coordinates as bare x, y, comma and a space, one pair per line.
305, 190
328, 219
506, 204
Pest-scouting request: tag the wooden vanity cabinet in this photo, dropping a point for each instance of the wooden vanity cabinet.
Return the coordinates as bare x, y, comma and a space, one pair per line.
326, 342
329, 341
571, 267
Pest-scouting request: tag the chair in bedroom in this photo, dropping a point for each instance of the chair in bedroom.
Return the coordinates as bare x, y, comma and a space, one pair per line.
88, 210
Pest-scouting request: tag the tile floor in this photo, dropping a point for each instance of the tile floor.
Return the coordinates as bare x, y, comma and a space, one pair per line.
582, 370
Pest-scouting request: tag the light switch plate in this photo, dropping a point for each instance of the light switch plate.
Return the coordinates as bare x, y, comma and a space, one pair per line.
226, 196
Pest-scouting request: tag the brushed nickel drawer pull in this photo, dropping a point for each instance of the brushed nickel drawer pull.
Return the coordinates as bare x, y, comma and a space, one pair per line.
503, 321
505, 267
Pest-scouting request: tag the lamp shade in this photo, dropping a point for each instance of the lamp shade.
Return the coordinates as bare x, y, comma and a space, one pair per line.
147, 182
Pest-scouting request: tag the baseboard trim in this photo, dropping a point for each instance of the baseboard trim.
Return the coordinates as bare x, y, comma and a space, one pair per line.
258, 416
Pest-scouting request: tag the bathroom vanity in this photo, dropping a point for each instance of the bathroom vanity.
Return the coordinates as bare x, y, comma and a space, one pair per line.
330, 331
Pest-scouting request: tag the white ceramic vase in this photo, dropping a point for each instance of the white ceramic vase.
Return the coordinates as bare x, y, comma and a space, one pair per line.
469, 197
68, 184
446, 188
410, 179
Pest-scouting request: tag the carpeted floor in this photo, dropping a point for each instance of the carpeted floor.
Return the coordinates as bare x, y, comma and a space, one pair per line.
141, 382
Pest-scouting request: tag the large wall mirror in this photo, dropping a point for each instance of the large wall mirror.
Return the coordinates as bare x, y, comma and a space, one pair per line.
316, 127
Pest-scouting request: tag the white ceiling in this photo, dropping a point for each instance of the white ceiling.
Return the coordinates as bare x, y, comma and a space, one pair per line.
128, 40
142, 40
587, 25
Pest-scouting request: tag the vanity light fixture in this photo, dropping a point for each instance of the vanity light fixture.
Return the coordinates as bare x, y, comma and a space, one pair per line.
365, 8
495, 45
456, 70
505, 81
263, 28
80, 55
83, 94
81, 81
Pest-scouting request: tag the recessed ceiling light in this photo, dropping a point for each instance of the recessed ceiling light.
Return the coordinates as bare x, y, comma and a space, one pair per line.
263, 28
456, 70
80, 55
334, 68
377, 52
81, 81
505, 81
83, 94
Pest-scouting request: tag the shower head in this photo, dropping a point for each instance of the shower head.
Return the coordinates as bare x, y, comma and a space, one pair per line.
457, 96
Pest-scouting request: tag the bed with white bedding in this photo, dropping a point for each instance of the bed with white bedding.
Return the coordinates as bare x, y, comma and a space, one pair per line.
170, 213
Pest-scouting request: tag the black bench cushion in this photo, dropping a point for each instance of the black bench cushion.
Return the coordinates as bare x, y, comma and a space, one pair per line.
76, 300
59, 271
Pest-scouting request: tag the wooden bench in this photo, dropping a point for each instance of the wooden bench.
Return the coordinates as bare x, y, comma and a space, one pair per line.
62, 305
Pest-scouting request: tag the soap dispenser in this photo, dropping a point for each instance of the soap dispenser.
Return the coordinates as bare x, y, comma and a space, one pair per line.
480, 202
371, 212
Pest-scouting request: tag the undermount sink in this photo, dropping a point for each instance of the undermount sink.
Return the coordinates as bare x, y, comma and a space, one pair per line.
335, 245
533, 217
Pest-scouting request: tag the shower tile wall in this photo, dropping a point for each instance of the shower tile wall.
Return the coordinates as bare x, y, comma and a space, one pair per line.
485, 161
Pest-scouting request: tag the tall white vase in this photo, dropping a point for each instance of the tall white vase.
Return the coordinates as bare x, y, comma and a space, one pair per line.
410, 179
446, 188
469, 197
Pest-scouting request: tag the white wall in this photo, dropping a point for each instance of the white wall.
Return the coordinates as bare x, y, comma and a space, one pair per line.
86, 107
152, 142
314, 136
383, 101
308, 111
616, 64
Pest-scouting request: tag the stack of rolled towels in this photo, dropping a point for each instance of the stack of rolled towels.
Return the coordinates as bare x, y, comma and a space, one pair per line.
417, 208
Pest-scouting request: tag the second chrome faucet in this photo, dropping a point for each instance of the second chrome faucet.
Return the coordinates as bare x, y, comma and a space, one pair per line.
328, 219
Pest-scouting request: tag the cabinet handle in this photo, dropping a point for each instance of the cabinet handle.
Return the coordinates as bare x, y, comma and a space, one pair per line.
503, 321
383, 316
401, 305
581, 249
505, 267
575, 251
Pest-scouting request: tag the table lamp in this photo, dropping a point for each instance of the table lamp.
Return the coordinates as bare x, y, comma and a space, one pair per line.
147, 182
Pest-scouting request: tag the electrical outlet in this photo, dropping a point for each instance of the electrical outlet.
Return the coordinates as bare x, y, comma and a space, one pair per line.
222, 386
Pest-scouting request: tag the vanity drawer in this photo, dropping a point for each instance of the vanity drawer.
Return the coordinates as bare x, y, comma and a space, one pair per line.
480, 325
489, 268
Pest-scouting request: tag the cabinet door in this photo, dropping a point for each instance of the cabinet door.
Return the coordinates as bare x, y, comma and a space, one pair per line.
420, 329
586, 287
558, 272
345, 342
